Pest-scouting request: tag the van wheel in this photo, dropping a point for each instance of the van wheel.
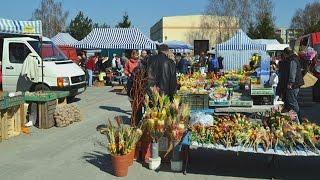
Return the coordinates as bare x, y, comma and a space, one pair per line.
41, 87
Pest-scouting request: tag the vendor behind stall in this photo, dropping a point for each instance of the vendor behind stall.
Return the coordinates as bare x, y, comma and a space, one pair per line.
213, 64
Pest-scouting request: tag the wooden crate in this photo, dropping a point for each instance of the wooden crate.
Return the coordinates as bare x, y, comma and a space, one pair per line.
12, 119
45, 114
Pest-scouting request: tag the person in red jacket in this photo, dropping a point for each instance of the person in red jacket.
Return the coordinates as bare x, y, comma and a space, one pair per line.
132, 63
90, 66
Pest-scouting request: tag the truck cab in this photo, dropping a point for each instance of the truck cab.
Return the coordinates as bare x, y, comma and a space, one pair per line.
58, 72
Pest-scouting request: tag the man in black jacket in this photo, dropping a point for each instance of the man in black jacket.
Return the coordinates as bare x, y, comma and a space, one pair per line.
162, 72
294, 78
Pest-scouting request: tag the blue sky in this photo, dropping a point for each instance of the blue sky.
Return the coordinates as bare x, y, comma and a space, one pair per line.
143, 13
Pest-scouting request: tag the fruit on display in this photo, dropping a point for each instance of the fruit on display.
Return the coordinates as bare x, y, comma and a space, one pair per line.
219, 93
195, 83
276, 132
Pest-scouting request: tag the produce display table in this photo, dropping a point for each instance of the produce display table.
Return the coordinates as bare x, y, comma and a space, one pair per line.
43, 106
297, 151
188, 145
12, 115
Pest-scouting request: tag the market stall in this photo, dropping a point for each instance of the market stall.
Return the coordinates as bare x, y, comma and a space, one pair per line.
12, 116
116, 38
178, 46
238, 50
66, 42
64, 39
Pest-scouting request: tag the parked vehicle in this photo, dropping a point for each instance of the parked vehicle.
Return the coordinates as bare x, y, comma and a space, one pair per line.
59, 73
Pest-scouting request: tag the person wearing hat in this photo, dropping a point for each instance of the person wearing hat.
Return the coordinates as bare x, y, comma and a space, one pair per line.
294, 80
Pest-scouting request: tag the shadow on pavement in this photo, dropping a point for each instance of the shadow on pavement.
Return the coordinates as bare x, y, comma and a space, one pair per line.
246, 165
115, 109
73, 100
100, 160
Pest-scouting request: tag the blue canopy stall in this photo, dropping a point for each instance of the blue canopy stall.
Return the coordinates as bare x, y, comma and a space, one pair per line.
64, 39
116, 38
178, 46
238, 50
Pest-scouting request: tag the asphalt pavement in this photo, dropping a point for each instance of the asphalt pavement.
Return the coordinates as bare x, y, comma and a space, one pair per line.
79, 151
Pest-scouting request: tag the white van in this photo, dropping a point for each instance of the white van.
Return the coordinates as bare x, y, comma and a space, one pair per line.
59, 73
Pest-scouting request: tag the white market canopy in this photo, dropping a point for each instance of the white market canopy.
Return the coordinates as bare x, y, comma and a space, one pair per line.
238, 50
271, 44
8, 26
64, 39
116, 38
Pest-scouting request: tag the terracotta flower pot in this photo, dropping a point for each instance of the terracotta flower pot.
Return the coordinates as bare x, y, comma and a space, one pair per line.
120, 165
131, 157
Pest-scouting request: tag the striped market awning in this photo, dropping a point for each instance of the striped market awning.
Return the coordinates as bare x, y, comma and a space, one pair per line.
240, 41
64, 39
116, 38
8, 26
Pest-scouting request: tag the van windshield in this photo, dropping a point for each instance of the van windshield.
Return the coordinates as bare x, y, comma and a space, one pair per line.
49, 51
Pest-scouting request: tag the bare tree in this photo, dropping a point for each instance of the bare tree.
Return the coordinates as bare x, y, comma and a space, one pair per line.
52, 16
307, 19
229, 9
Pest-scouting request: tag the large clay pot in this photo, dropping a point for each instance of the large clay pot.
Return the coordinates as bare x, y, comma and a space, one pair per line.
131, 157
120, 165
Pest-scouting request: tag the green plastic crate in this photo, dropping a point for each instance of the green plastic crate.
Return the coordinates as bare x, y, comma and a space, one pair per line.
14, 101
3, 104
62, 94
213, 103
239, 103
261, 91
195, 101
47, 96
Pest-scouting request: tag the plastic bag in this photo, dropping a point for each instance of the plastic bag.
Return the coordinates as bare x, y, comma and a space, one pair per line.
201, 118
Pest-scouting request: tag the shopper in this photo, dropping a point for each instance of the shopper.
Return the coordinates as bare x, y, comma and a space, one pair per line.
82, 59
132, 63
294, 81
202, 62
90, 66
282, 85
144, 57
316, 73
162, 72
183, 65
274, 80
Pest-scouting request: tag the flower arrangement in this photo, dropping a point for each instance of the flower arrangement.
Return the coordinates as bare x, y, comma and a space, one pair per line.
165, 117
121, 139
277, 131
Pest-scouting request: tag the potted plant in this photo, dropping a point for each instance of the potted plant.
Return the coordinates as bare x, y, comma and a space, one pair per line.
176, 126
154, 123
121, 144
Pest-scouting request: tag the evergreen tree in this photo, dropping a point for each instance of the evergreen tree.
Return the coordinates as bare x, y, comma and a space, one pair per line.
80, 26
125, 23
